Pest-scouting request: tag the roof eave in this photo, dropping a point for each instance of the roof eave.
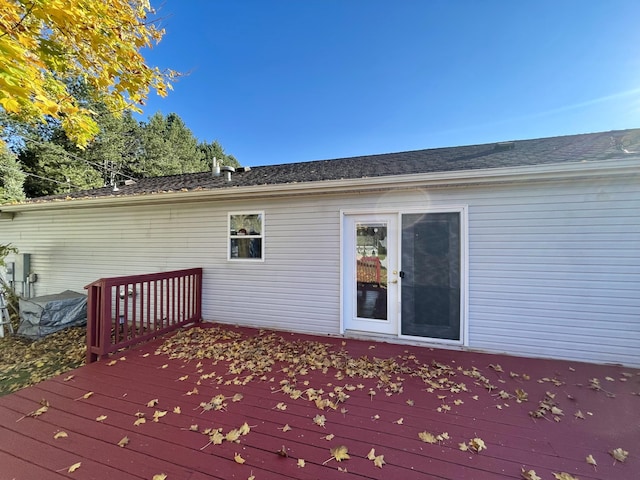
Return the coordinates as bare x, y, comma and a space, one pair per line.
551, 172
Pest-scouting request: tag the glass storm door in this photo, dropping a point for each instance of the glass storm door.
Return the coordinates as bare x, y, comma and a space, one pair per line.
370, 273
431, 275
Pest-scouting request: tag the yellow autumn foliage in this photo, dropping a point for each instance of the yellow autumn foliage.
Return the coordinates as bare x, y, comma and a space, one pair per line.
43, 42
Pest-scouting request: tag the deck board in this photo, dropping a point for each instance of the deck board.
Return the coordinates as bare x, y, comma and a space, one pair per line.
390, 423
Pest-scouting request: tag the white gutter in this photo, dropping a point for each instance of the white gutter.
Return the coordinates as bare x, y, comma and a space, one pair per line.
629, 167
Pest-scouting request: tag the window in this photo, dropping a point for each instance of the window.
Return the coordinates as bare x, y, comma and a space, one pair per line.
246, 232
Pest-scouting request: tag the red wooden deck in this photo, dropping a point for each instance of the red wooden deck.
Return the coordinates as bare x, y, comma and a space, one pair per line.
395, 393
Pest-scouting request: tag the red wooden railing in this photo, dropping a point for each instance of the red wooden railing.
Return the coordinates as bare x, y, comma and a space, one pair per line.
369, 270
124, 311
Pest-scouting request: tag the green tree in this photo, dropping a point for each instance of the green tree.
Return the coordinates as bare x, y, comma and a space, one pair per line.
168, 148
214, 150
11, 177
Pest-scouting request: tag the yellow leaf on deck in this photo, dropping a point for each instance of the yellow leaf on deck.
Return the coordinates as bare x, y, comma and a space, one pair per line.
60, 435
74, 467
101, 418
372, 454
301, 463
592, 461
564, 476
158, 414
111, 363
177, 410
427, 437
379, 461
530, 475
477, 444
159, 476
140, 421
244, 429
619, 454
152, 403
340, 453
238, 458
123, 442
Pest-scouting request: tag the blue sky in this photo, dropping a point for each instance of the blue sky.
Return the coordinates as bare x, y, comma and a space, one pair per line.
279, 81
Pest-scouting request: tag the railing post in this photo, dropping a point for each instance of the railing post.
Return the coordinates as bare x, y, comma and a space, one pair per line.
93, 309
198, 295
106, 320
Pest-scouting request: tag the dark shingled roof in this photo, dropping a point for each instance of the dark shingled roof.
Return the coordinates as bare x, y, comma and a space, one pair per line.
572, 148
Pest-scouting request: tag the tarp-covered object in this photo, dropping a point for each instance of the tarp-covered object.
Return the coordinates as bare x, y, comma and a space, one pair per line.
42, 316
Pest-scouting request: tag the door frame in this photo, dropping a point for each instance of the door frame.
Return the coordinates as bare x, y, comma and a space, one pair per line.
345, 256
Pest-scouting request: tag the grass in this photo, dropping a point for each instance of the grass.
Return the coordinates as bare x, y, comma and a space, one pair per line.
25, 362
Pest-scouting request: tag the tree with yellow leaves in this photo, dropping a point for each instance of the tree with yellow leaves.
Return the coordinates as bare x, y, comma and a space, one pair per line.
44, 42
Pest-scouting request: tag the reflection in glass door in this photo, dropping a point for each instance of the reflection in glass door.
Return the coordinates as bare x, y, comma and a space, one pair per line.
371, 270
431, 275
370, 273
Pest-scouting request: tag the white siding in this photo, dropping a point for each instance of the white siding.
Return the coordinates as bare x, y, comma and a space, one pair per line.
554, 269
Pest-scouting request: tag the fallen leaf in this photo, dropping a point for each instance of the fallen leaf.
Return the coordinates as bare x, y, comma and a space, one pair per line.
379, 461
177, 410
530, 475
372, 454
74, 467
232, 435
477, 444
60, 435
67, 378
164, 366
579, 414
237, 397
152, 403
283, 452
140, 421
123, 442
399, 421
193, 428
564, 476
463, 447
87, 395
159, 476
183, 378
238, 458
281, 406
158, 414
319, 420
216, 438
286, 428
427, 437
244, 429
101, 418
340, 453
301, 463
112, 363
619, 454
592, 461
329, 437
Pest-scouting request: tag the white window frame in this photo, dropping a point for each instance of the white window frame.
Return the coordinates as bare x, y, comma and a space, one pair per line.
261, 236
